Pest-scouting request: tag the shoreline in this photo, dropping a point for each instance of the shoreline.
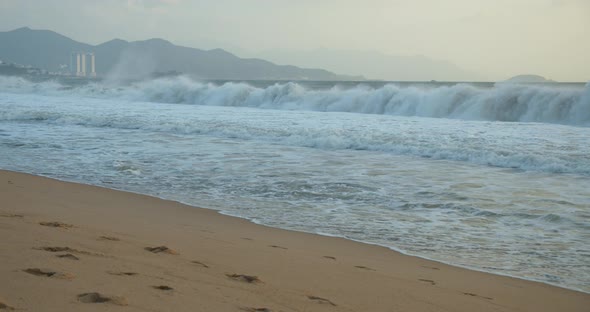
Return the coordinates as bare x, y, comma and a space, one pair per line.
394, 249
293, 267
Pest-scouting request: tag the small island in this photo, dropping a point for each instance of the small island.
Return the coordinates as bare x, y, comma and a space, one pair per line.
528, 79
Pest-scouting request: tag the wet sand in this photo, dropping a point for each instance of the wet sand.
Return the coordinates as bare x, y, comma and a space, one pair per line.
73, 247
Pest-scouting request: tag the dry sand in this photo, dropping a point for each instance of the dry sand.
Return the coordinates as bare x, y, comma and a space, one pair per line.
71, 247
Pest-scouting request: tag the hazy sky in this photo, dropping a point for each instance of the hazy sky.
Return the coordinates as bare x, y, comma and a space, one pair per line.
496, 38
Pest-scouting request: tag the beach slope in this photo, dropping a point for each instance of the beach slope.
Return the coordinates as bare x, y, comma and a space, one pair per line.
72, 247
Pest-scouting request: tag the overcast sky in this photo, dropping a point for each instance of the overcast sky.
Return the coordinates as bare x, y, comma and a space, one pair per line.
496, 38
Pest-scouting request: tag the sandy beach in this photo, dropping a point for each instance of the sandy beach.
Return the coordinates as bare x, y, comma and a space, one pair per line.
72, 247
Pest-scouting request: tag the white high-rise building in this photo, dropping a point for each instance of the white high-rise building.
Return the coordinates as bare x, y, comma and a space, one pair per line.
92, 65
78, 62
83, 67
78, 67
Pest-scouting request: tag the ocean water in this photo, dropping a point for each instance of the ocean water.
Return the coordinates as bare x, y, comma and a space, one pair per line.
494, 177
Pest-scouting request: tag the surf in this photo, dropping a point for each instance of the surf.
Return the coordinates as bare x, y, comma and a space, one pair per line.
507, 102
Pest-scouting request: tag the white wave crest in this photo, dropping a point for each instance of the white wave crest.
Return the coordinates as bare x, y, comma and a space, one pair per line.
501, 102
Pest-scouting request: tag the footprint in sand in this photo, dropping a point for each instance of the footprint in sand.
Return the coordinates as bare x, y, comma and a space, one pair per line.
427, 281
10, 182
122, 273
279, 247
163, 287
5, 307
161, 249
255, 309
70, 250
429, 267
109, 238
68, 256
250, 279
364, 268
321, 300
200, 263
49, 273
95, 297
57, 224
476, 295
56, 249
330, 257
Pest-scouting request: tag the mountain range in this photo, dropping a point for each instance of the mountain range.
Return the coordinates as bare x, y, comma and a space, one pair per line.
51, 51
374, 64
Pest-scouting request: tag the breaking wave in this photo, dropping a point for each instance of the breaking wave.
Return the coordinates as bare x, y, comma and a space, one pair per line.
525, 146
548, 103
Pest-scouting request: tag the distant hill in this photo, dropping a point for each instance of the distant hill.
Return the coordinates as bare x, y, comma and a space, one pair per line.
122, 59
528, 79
375, 65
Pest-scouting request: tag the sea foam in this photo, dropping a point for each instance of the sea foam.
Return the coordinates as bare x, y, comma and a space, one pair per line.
516, 145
